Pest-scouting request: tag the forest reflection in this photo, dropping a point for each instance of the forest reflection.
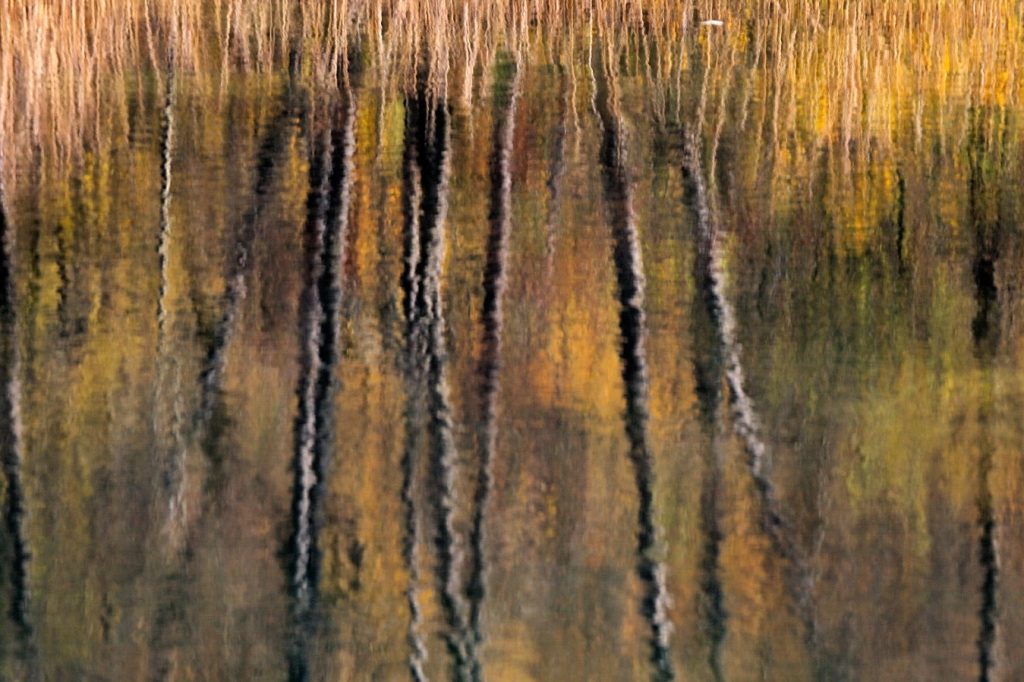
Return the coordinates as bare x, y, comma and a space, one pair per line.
634, 351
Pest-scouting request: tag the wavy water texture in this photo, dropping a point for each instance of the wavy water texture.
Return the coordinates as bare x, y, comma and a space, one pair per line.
301, 582
426, 168
164, 234
168, 415
211, 373
413, 412
988, 559
707, 371
328, 206
494, 285
985, 330
743, 415
16, 541
178, 526
556, 172
175, 517
629, 275
440, 428
235, 291
168, 408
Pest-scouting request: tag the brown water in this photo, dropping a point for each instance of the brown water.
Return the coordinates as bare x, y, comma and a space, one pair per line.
587, 381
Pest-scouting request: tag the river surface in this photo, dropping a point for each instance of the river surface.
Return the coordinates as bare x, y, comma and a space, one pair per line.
588, 376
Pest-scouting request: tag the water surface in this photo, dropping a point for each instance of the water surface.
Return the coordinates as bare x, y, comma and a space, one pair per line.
597, 375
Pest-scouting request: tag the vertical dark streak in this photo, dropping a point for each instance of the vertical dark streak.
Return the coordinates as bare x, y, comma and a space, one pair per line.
494, 284
707, 370
411, 196
328, 204
985, 331
330, 285
632, 326
426, 209
11, 441
985, 326
714, 616
744, 420
435, 169
300, 580
988, 556
171, 610
64, 284
901, 227
708, 361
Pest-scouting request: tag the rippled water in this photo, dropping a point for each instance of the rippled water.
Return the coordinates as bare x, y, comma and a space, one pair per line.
583, 381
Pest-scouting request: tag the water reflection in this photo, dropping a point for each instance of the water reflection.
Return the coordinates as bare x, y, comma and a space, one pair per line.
332, 378
494, 285
986, 221
629, 276
428, 166
16, 553
328, 205
745, 423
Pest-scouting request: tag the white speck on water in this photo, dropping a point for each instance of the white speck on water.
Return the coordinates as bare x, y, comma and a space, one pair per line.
712, 22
